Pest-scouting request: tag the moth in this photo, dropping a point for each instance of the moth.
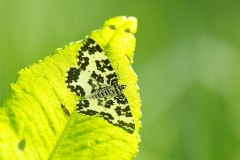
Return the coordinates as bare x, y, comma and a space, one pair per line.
96, 83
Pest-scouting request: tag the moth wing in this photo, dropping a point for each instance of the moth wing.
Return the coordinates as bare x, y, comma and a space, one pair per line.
88, 107
94, 71
122, 113
80, 83
93, 61
114, 110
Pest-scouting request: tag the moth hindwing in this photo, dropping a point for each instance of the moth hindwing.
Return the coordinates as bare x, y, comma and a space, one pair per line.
96, 82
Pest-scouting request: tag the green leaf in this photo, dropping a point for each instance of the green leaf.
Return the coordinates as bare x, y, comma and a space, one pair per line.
38, 118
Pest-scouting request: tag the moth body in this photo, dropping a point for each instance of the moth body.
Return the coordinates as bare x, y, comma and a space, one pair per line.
108, 91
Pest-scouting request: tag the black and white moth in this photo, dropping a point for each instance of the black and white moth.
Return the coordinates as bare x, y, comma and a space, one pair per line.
96, 82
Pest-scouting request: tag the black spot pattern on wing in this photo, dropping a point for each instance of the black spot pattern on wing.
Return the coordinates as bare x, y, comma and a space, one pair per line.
100, 101
84, 62
83, 104
112, 79
98, 77
104, 65
72, 76
121, 99
109, 104
82, 108
87, 49
99, 49
123, 111
129, 127
91, 41
107, 116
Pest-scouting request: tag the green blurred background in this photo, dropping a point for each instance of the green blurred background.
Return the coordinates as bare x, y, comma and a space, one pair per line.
187, 60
